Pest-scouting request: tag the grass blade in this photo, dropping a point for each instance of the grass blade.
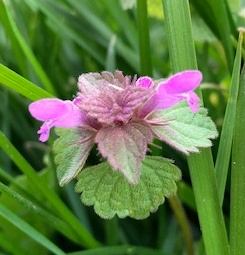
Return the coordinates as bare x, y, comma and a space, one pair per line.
26, 49
184, 223
182, 53
217, 15
19, 84
84, 236
224, 150
29, 230
125, 23
222, 20
237, 207
48, 217
144, 38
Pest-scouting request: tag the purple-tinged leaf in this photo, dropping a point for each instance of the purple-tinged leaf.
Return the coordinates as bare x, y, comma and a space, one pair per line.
117, 107
94, 83
72, 149
125, 146
90, 83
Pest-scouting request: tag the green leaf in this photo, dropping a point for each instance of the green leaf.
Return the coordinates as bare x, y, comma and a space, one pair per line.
225, 144
71, 152
24, 87
237, 207
185, 130
112, 194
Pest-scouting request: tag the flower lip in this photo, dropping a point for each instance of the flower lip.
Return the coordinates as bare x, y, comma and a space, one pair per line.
50, 108
55, 113
181, 82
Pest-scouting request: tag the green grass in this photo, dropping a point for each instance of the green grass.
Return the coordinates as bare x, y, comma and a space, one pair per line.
44, 46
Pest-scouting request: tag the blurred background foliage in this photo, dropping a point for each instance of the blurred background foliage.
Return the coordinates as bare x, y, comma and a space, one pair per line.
51, 42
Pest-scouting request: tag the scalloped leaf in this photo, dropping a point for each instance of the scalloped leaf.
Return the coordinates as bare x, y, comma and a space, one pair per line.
110, 193
184, 130
71, 152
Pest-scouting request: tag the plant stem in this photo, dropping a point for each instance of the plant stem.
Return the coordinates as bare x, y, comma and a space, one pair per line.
183, 222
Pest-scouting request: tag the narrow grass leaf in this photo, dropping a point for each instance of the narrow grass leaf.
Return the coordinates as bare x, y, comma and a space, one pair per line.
221, 19
58, 224
29, 230
237, 208
18, 53
224, 150
182, 54
84, 236
205, 11
27, 51
184, 223
111, 55
101, 28
144, 39
123, 20
22, 86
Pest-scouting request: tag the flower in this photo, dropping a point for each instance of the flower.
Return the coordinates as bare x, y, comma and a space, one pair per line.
55, 113
117, 111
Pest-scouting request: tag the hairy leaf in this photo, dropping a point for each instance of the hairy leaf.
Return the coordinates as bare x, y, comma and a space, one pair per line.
183, 129
112, 194
118, 106
94, 83
71, 152
125, 146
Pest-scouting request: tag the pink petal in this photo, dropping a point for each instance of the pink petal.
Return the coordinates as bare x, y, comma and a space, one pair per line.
181, 82
46, 109
144, 82
56, 113
157, 102
149, 106
192, 100
62, 113
44, 132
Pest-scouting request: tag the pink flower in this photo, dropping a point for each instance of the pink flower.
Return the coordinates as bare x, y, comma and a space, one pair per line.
55, 113
173, 90
116, 109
